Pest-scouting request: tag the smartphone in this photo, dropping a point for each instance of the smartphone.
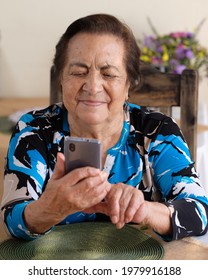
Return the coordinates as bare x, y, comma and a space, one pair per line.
81, 152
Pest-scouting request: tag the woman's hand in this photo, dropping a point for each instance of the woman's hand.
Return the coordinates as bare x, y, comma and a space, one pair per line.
66, 194
124, 204
121, 204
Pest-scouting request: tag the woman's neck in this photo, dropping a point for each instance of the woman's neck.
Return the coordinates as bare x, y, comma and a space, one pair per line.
108, 133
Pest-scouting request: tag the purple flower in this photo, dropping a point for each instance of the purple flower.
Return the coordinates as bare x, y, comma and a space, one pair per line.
149, 42
173, 63
189, 54
180, 52
179, 69
160, 49
189, 35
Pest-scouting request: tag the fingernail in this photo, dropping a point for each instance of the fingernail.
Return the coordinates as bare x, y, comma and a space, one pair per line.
114, 219
120, 225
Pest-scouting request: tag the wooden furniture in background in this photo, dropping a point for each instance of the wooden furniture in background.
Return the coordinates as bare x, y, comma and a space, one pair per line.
166, 90
163, 91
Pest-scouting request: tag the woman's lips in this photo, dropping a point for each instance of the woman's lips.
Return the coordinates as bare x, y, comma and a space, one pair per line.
92, 103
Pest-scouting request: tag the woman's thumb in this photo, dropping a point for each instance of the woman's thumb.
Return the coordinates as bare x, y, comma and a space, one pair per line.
59, 170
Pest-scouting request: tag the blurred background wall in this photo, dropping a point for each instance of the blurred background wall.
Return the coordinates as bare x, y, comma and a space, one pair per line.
30, 29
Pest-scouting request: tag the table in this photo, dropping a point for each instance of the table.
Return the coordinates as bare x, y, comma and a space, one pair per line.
189, 248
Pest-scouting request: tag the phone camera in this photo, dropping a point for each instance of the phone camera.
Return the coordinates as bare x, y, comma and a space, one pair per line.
72, 147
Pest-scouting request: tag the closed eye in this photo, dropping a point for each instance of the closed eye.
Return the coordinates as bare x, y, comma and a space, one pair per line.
109, 71
78, 69
110, 76
81, 74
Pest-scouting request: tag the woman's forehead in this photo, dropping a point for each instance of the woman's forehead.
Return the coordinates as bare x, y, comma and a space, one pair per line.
86, 45
95, 39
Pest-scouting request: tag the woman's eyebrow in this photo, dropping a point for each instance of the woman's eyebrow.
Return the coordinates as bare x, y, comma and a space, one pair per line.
79, 64
109, 66
83, 65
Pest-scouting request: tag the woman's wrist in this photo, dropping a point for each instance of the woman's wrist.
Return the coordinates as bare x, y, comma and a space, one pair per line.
37, 219
158, 217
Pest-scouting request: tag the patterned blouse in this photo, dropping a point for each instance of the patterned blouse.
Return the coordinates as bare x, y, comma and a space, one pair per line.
151, 155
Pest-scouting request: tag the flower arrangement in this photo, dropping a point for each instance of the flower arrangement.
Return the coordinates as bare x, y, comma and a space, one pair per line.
175, 51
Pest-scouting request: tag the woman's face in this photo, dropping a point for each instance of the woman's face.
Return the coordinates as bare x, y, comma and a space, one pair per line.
94, 79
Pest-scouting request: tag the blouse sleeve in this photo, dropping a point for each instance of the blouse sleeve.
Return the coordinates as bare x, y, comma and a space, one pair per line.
175, 175
25, 175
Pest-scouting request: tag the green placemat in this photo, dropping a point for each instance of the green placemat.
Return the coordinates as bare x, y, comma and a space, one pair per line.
6, 125
85, 241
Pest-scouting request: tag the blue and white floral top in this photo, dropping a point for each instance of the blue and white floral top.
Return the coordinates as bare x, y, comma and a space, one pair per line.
151, 155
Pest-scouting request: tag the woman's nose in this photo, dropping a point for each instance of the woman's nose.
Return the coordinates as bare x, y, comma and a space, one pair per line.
93, 83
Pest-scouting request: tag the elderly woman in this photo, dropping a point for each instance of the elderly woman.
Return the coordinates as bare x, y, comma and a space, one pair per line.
147, 173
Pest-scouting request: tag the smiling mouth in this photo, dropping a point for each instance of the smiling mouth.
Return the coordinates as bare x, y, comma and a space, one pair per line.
92, 103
